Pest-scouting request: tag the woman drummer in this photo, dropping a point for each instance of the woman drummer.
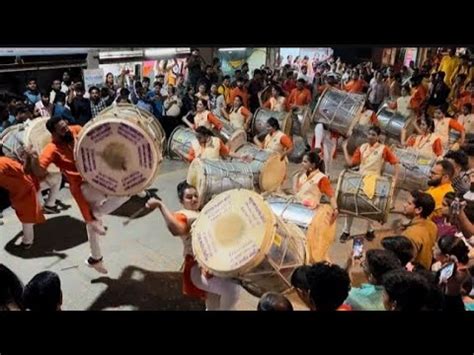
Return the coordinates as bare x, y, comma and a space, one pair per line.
276, 102
311, 182
239, 116
203, 117
275, 140
428, 143
219, 293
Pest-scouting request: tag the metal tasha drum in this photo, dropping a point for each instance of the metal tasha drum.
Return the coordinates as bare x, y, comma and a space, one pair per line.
261, 117
180, 142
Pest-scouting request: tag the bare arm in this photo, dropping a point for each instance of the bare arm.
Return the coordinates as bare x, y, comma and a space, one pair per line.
346, 153
174, 226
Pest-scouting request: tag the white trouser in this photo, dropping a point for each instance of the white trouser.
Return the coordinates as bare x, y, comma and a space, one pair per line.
222, 293
101, 204
348, 225
53, 183
28, 233
322, 140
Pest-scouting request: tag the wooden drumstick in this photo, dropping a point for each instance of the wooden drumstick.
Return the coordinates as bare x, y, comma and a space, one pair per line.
133, 216
141, 210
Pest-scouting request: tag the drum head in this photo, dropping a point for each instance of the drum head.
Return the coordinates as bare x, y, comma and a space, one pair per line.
233, 233
320, 235
238, 139
12, 141
117, 156
197, 178
38, 136
273, 173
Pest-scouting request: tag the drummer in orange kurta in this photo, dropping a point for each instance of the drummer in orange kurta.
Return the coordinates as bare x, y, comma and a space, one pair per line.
22, 189
418, 96
355, 85
299, 96
212, 148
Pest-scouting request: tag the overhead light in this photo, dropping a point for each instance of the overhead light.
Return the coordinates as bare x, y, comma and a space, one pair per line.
232, 49
121, 54
165, 52
14, 52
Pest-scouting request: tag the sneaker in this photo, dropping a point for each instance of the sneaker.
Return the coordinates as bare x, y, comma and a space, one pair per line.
370, 235
51, 210
344, 237
98, 265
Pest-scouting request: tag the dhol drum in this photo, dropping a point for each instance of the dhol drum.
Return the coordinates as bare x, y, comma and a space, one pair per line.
414, 169
261, 117
353, 200
237, 235
339, 110
119, 151
233, 138
33, 133
320, 234
211, 177
301, 122
180, 142
391, 123
357, 138
299, 149
268, 169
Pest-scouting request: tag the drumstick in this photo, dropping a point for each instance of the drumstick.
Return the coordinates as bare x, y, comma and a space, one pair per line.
141, 210
133, 216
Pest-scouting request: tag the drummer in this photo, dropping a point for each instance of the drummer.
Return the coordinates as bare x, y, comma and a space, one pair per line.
428, 143
203, 117
443, 126
22, 188
219, 293
402, 103
239, 116
310, 183
276, 102
93, 204
209, 147
275, 140
370, 158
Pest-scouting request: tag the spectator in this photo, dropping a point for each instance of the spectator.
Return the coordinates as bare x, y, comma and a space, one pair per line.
32, 94
43, 293
272, 301
11, 290
405, 291
60, 108
98, 104
80, 106
44, 107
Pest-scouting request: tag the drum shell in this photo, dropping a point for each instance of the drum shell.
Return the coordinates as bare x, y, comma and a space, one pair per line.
352, 200
391, 123
261, 116
268, 170
180, 141
339, 110
414, 170
212, 177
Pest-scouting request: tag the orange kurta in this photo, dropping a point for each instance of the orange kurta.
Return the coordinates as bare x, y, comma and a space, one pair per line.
22, 189
417, 99
238, 92
299, 98
62, 155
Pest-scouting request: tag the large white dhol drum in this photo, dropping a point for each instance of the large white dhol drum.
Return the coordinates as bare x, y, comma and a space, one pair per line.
237, 235
352, 200
33, 133
320, 234
119, 151
211, 177
339, 110
180, 142
414, 169
268, 169
261, 117
233, 138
